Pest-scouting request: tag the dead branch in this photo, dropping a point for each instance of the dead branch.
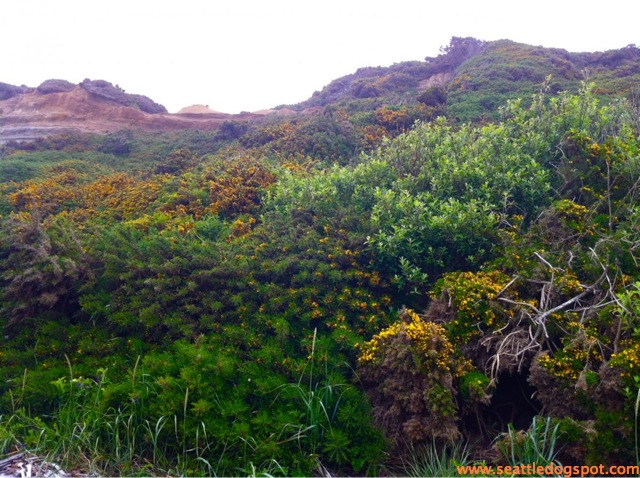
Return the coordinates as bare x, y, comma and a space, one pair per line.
553, 268
543, 316
512, 347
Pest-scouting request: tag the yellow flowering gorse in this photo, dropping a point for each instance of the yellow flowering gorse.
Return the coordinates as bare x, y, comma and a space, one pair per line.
627, 360
428, 340
473, 295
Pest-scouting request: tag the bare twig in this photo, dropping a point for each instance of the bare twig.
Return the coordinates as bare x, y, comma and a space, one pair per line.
542, 317
507, 286
6, 461
516, 302
553, 268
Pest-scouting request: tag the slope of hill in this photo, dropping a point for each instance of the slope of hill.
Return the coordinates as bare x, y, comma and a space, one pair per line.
468, 82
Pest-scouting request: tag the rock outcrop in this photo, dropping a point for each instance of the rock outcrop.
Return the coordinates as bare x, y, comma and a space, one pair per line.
115, 93
9, 91
55, 86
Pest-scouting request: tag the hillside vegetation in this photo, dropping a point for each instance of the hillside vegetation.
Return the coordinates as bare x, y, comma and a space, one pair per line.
345, 290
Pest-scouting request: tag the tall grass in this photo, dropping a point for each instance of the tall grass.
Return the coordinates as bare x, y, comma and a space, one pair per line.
321, 398
538, 444
107, 442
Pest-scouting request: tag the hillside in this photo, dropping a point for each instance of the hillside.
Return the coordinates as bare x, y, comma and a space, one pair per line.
335, 288
468, 81
471, 78
57, 107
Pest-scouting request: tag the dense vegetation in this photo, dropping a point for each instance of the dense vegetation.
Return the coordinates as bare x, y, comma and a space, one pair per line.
337, 290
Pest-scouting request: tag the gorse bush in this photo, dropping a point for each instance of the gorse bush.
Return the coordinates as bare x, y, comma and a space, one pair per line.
410, 369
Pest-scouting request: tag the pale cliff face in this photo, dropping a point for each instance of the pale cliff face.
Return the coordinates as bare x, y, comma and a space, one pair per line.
94, 107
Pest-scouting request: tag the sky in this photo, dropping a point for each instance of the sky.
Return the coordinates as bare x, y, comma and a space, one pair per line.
248, 55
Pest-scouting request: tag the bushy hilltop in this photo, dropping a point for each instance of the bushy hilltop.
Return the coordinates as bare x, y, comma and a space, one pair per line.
471, 78
343, 291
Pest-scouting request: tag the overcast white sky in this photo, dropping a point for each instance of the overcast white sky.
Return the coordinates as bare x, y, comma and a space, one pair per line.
246, 55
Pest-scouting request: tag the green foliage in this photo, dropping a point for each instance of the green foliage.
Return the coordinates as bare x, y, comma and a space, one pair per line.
474, 386
177, 162
336, 197
613, 440
434, 96
231, 130
505, 71
205, 303
197, 409
144, 283
629, 308
321, 136
457, 52
431, 235
473, 297
119, 144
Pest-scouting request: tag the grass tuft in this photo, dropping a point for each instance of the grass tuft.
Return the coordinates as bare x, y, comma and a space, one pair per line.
436, 460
